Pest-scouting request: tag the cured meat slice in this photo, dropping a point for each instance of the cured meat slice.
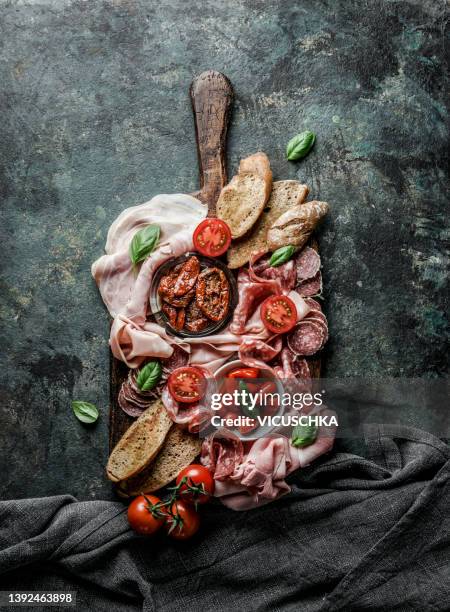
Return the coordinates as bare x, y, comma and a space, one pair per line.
313, 304
307, 263
250, 293
187, 276
286, 274
306, 338
222, 455
192, 417
195, 319
213, 294
256, 353
311, 286
301, 369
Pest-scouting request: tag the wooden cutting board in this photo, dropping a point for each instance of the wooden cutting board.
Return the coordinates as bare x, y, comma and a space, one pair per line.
212, 98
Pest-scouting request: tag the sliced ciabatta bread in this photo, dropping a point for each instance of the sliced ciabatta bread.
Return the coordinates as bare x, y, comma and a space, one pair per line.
258, 163
179, 450
285, 194
242, 201
140, 443
295, 226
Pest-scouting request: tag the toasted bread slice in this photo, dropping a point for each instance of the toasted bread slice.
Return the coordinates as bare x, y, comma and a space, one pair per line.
258, 163
242, 201
140, 443
179, 450
285, 194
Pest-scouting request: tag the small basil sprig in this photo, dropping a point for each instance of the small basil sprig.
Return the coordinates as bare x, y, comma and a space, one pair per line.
303, 435
281, 255
143, 243
85, 411
149, 376
300, 145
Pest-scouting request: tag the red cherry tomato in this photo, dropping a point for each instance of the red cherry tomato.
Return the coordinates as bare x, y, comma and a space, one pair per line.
187, 384
146, 515
196, 484
246, 429
244, 373
212, 237
182, 520
278, 313
229, 385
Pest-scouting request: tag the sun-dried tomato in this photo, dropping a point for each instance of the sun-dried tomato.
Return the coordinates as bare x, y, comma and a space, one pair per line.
213, 293
187, 276
195, 319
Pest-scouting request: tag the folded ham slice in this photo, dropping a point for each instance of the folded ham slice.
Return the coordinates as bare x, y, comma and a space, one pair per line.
259, 476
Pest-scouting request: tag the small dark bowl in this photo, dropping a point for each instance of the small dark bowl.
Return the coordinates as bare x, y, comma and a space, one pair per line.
205, 262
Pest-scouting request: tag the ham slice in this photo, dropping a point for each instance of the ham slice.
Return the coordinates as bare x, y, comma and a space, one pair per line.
260, 477
177, 215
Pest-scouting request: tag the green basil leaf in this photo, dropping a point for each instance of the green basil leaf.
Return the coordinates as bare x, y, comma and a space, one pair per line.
303, 435
143, 243
281, 255
300, 145
245, 405
149, 376
85, 411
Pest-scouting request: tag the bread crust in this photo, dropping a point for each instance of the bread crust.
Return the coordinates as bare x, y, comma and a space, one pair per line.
285, 195
140, 443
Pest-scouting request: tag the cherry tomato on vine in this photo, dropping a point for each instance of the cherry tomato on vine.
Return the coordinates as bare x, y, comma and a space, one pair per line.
196, 484
146, 514
182, 520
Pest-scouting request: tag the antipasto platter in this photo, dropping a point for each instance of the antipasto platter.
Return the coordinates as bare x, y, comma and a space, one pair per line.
215, 306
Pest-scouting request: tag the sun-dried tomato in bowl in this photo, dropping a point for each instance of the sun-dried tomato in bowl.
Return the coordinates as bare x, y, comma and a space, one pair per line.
193, 295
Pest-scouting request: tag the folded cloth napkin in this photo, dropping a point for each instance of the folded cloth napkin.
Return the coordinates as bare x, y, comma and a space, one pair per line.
355, 534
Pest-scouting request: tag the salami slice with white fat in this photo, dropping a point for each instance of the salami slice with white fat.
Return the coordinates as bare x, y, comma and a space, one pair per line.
306, 338
307, 263
311, 286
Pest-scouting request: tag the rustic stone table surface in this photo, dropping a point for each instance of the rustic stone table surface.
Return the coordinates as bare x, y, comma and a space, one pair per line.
95, 117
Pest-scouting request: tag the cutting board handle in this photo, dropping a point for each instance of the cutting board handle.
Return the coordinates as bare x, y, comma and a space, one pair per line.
212, 98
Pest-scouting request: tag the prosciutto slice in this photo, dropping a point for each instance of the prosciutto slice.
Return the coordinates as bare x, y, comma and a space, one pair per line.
259, 477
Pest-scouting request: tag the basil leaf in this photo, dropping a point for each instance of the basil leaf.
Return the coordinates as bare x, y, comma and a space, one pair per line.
143, 243
245, 405
85, 411
300, 145
149, 376
303, 435
281, 255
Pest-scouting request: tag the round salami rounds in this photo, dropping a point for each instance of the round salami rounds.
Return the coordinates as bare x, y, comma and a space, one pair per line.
309, 335
307, 263
310, 286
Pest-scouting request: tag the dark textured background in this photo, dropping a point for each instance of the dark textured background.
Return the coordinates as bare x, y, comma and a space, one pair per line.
95, 117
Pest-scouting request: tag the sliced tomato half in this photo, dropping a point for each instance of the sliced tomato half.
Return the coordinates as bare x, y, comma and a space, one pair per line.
244, 373
279, 314
187, 384
212, 237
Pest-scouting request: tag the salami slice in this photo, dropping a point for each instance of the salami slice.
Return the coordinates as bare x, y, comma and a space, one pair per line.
313, 304
307, 264
311, 286
306, 338
129, 408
